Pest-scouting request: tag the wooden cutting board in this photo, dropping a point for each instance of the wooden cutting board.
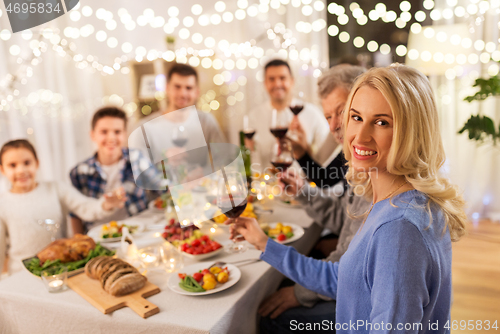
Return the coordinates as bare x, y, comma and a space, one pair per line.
91, 290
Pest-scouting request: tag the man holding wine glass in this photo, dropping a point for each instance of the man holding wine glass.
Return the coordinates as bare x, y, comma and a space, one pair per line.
180, 127
271, 120
333, 88
183, 91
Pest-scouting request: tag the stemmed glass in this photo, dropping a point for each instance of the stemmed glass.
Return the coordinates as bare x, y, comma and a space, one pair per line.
280, 122
296, 106
179, 136
282, 159
232, 201
247, 130
51, 226
282, 155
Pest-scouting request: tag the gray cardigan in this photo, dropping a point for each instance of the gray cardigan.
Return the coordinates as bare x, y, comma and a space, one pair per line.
331, 208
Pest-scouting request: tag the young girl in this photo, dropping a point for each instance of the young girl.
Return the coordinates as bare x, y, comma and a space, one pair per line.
29, 201
396, 273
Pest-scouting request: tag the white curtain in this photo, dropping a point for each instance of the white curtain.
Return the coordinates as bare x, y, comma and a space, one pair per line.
54, 105
475, 168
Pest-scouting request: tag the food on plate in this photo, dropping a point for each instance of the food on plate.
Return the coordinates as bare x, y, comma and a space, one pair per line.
220, 218
117, 277
204, 280
56, 265
280, 232
174, 233
163, 201
190, 239
114, 230
201, 245
67, 250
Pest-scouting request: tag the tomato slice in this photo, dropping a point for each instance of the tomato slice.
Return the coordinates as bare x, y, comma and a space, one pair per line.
198, 276
182, 276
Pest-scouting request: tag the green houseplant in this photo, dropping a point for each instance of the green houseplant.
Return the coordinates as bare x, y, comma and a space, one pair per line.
479, 127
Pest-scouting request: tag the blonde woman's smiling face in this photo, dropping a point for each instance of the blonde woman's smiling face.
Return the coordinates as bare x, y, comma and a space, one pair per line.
369, 130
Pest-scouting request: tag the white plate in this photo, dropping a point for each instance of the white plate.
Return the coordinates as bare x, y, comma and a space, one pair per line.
297, 230
200, 257
95, 232
173, 281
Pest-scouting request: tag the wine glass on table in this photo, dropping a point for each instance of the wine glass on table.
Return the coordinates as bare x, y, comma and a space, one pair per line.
232, 201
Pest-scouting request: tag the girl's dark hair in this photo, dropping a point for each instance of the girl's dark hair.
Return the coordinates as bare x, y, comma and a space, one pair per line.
18, 143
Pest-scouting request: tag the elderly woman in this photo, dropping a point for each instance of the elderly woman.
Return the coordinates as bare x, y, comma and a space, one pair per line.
396, 274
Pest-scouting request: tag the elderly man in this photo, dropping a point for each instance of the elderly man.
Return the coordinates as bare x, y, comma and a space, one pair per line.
329, 208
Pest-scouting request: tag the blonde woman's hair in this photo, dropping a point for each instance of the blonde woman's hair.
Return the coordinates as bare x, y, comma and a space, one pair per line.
416, 151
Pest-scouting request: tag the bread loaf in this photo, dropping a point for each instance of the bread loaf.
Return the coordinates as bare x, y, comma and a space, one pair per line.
117, 277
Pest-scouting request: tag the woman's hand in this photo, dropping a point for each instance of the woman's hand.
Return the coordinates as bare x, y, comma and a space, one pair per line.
290, 182
114, 200
250, 230
299, 142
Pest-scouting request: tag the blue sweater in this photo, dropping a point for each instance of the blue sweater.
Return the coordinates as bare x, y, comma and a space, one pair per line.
396, 271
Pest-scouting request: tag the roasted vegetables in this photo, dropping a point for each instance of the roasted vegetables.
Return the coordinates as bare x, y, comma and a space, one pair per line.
204, 280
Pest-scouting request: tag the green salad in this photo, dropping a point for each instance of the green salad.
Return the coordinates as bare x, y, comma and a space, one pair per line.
56, 267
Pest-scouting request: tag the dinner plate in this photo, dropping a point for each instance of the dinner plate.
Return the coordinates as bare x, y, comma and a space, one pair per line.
173, 281
95, 232
298, 232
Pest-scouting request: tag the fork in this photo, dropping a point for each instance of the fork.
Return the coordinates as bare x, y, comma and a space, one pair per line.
222, 263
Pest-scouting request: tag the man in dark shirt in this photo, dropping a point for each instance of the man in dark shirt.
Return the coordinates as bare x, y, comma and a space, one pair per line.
333, 88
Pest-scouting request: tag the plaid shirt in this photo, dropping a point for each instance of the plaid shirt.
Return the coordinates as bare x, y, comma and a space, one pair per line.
89, 178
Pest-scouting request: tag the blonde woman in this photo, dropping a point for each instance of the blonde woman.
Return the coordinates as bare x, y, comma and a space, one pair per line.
396, 274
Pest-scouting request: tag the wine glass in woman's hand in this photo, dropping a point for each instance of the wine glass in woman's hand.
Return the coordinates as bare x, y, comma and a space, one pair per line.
249, 230
232, 201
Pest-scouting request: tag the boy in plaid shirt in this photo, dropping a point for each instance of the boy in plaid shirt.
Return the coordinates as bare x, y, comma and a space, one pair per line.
110, 167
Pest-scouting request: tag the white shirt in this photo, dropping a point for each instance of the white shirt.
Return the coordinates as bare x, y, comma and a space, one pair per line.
311, 119
19, 214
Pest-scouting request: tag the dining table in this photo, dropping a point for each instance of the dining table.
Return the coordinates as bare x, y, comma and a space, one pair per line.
27, 307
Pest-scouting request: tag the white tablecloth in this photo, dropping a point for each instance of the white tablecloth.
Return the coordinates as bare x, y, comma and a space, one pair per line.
26, 306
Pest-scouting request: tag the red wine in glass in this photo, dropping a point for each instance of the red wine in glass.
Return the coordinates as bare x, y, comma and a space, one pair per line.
296, 109
249, 134
279, 132
233, 212
180, 142
283, 165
